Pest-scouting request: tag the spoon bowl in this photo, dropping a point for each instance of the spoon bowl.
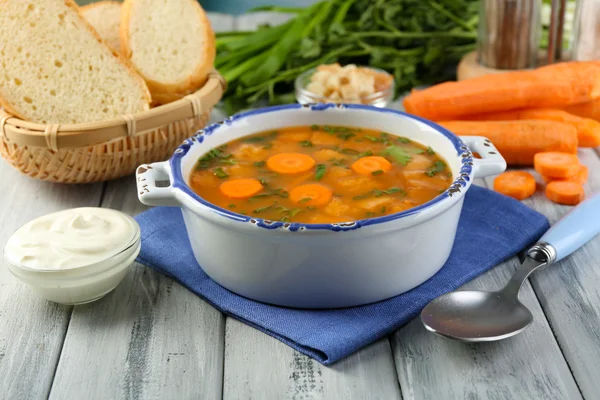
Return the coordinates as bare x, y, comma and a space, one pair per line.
476, 316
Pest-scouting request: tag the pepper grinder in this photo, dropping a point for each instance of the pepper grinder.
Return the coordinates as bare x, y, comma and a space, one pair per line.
509, 37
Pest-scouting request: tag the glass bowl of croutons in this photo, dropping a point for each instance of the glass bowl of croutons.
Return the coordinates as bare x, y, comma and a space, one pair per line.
332, 83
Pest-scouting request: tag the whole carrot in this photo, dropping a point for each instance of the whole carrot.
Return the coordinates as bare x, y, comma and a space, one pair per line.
555, 86
588, 130
590, 109
519, 141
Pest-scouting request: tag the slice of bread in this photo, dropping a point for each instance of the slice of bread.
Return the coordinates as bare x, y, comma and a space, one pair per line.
56, 69
171, 43
105, 17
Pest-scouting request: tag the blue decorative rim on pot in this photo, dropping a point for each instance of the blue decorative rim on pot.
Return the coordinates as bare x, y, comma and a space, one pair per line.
461, 182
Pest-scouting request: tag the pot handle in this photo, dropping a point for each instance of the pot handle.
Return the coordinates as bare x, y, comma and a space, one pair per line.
148, 192
491, 162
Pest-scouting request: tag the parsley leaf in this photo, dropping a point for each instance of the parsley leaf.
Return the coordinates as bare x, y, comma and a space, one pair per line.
220, 173
398, 154
438, 166
321, 169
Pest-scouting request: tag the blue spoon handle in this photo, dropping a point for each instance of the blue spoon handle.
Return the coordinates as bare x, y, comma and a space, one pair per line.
574, 229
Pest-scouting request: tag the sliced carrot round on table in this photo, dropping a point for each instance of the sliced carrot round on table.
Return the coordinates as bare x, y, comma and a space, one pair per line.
565, 192
311, 194
580, 177
370, 164
516, 184
556, 165
241, 188
290, 163
588, 133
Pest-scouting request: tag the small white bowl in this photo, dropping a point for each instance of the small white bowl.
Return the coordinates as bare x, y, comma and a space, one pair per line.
84, 283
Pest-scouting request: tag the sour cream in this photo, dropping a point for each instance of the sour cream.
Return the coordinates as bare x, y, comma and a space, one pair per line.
71, 238
74, 256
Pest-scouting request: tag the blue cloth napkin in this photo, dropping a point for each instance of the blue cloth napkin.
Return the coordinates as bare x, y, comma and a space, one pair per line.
492, 228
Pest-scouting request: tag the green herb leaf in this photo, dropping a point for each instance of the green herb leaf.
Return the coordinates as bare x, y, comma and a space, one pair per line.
207, 160
383, 209
261, 209
379, 193
346, 136
310, 208
320, 172
267, 146
371, 138
232, 205
365, 154
228, 161
378, 172
314, 127
438, 166
350, 152
292, 213
220, 173
403, 140
259, 164
306, 143
304, 200
398, 154
260, 138
430, 151
263, 182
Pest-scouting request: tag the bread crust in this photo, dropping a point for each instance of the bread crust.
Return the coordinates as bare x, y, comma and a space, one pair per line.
88, 7
163, 92
91, 6
124, 60
120, 58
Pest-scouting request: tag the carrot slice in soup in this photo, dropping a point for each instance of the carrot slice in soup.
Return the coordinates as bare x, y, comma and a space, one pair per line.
290, 163
241, 188
311, 194
565, 192
516, 184
556, 165
370, 164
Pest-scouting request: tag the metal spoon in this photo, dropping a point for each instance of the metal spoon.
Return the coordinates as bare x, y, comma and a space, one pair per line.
478, 316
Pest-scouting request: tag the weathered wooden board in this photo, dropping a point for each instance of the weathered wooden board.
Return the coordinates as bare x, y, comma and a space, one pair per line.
569, 292
528, 366
260, 367
149, 339
32, 329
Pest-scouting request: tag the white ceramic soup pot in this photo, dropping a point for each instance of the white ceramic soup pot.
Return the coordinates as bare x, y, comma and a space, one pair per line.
320, 265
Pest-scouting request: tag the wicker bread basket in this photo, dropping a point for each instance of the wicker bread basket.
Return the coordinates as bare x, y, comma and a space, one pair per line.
99, 151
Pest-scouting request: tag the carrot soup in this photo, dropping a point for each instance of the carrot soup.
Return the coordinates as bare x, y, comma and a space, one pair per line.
320, 174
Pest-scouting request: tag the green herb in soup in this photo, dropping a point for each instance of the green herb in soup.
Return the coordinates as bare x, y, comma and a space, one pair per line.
320, 174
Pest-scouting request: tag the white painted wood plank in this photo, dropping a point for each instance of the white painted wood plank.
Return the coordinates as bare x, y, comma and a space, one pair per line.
221, 22
149, 339
569, 292
260, 367
528, 366
251, 21
32, 329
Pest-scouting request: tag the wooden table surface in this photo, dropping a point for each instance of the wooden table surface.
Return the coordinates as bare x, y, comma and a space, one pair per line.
153, 339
